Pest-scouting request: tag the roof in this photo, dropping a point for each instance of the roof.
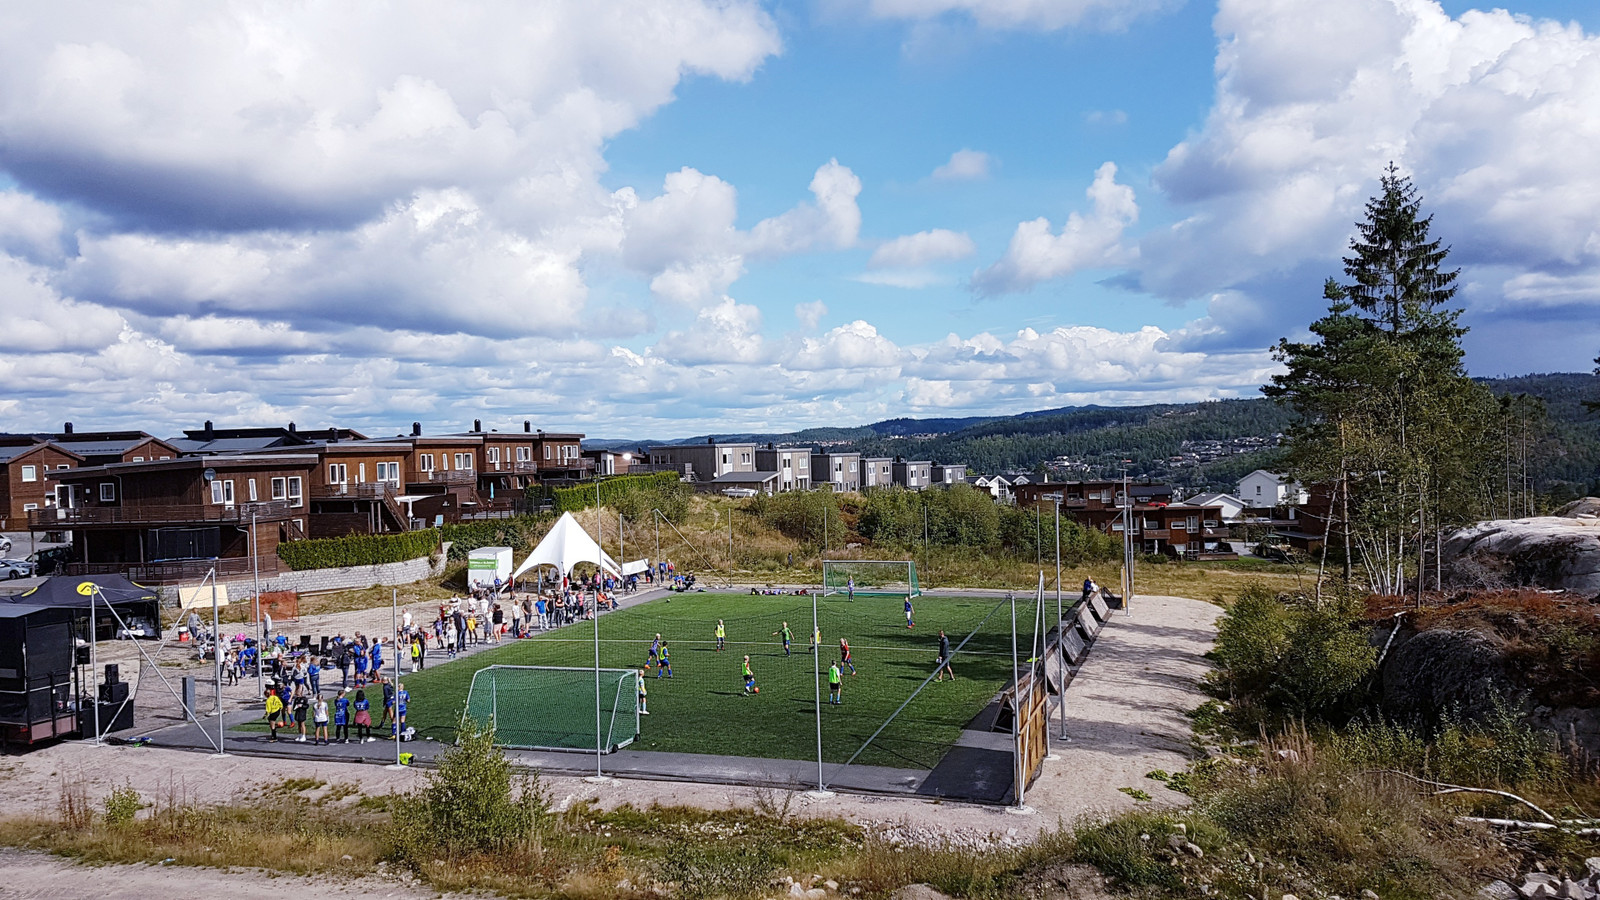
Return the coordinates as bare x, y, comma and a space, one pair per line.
102, 447
7, 454
75, 591
745, 478
228, 445
190, 462
1213, 497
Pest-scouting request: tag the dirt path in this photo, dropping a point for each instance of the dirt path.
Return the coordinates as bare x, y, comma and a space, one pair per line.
1124, 715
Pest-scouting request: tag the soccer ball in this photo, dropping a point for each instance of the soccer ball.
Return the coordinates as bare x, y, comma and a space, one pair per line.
758, 690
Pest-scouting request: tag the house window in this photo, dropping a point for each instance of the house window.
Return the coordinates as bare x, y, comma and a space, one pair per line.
30, 473
338, 473
546, 451
227, 492
1192, 523
138, 459
29, 507
744, 457
426, 462
389, 471
463, 461
295, 496
252, 490
166, 457
108, 492
494, 454
216, 492
279, 488
787, 464
64, 466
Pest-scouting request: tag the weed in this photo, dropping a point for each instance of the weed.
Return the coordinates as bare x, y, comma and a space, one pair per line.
121, 805
1136, 793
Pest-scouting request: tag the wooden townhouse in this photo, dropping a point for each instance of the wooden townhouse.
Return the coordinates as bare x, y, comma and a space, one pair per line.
25, 488
166, 520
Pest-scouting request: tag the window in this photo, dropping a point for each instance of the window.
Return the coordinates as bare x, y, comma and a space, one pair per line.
852, 467
108, 492
1258, 490
138, 459
727, 458
29, 507
295, 496
252, 490
227, 492
389, 471
30, 473
494, 455
787, 464
463, 461
546, 451
744, 457
64, 466
338, 473
216, 492
1150, 523
166, 457
1192, 523
425, 462
279, 489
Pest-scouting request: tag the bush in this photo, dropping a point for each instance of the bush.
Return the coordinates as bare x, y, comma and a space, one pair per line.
358, 550
632, 495
471, 804
1501, 751
800, 515
521, 532
1302, 657
122, 804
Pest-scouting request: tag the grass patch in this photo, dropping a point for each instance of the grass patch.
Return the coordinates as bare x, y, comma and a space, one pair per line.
692, 712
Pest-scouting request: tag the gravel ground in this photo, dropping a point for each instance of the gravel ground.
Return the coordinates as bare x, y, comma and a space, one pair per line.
1124, 717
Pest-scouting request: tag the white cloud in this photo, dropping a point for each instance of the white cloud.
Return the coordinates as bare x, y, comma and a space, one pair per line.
1043, 15
911, 279
1490, 113
1085, 242
29, 227
833, 222
810, 313
964, 165
1106, 117
922, 248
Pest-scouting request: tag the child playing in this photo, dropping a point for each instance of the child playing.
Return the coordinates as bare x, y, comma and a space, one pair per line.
834, 685
666, 664
722, 637
844, 655
274, 713
909, 622
341, 717
750, 678
319, 715
788, 638
655, 652
644, 709
401, 698
363, 708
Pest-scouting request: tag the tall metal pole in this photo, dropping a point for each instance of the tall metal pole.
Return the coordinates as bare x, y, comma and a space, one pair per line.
94, 695
622, 562
1127, 546
816, 671
255, 563
394, 651
1061, 631
1016, 703
599, 527
216, 653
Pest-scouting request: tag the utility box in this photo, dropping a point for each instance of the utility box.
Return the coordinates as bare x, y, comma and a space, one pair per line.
485, 564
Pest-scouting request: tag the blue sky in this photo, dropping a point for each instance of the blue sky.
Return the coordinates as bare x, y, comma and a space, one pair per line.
666, 218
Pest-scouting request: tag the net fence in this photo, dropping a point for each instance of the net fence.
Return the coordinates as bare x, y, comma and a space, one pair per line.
553, 708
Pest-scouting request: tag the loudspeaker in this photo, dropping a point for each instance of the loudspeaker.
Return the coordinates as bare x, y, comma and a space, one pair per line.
113, 673
116, 692
81, 656
113, 717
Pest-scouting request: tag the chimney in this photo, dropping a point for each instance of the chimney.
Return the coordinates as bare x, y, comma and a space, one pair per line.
333, 435
67, 429
477, 425
711, 440
416, 429
211, 433
527, 426
291, 428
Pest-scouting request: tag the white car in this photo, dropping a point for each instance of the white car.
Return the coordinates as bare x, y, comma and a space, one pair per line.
15, 568
5, 544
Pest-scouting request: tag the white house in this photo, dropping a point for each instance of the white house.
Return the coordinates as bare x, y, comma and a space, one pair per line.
1232, 507
1264, 490
997, 487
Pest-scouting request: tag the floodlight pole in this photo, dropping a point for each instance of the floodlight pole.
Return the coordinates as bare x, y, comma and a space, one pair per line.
816, 671
1061, 631
1127, 544
94, 694
1016, 703
255, 563
216, 653
394, 651
600, 556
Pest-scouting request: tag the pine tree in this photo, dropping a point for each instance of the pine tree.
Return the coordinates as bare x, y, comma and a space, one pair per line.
1391, 426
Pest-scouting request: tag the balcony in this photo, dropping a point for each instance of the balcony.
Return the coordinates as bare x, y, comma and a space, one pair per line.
456, 476
153, 514
175, 571
370, 490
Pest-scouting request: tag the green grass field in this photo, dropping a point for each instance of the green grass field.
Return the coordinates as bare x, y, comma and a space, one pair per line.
703, 708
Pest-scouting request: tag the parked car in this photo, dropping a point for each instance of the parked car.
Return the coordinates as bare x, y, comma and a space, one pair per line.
5, 544
15, 568
49, 561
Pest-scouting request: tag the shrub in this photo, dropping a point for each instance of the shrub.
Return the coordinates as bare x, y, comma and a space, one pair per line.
472, 803
520, 532
800, 515
122, 804
632, 495
1302, 657
1500, 751
358, 550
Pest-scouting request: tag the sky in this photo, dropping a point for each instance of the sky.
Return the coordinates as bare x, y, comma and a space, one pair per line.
672, 217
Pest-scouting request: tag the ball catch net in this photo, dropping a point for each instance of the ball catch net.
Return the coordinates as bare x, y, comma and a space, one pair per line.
553, 708
871, 578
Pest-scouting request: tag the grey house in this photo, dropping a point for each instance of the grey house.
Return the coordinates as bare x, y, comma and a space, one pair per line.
704, 462
841, 472
793, 465
876, 472
948, 474
913, 475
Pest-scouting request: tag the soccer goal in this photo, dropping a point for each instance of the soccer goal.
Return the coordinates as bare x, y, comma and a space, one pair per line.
870, 577
553, 708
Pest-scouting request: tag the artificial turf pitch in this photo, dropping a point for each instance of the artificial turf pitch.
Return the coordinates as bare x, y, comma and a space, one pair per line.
703, 708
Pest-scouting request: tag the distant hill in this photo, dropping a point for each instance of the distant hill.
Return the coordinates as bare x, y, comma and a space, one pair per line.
1198, 446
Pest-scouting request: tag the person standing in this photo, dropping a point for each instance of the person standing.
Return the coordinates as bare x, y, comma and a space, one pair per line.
909, 621
816, 639
750, 678
644, 706
722, 637
788, 637
850, 587
319, 715
944, 659
666, 662
314, 675
302, 712
844, 655
834, 685
266, 628
363, 708
655, 652
402, 698
274, 714
341, 717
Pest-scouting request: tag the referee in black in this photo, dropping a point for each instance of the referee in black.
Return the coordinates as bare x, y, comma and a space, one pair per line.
944, 658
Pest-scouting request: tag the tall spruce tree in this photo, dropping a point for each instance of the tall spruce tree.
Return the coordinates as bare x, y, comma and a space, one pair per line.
1392, 430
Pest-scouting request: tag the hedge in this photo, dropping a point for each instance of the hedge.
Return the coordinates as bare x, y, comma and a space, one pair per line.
573, 499
358, 550
518, 532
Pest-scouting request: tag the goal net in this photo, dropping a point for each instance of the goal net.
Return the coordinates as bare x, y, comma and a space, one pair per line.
553, 708
872, 578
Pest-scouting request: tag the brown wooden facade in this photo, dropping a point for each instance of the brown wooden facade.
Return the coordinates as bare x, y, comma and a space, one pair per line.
25, 487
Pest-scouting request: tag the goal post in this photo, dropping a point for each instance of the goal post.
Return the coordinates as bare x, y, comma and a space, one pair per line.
553, 707
870, 577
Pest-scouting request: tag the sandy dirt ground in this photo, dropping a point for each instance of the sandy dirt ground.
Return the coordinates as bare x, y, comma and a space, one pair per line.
1124, 717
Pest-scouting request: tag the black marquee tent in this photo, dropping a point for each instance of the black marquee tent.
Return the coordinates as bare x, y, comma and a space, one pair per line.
43, 645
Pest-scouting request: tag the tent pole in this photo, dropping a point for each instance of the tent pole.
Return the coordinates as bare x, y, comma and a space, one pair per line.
94, 695
216, 654
600, 556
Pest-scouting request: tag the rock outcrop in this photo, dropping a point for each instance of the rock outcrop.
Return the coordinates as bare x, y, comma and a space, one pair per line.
1555, 552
